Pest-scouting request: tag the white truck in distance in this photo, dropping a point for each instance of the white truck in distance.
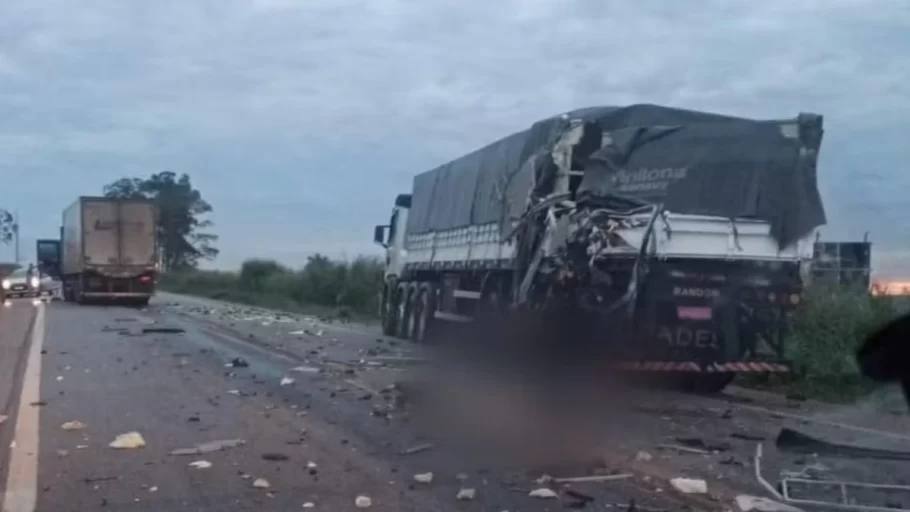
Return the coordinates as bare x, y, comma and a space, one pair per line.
682, 236
109, 250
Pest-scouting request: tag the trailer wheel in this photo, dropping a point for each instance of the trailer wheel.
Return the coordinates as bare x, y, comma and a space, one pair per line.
424, 308
404, 311
708, 382
389, 312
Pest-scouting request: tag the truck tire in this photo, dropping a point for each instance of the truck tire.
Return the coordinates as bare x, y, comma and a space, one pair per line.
389, 312
405, 309
424, 308
708, 383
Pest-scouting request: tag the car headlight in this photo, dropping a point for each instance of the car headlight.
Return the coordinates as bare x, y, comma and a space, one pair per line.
34, 282
5, 283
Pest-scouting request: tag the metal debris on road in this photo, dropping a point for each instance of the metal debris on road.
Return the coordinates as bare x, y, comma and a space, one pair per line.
275, 457
747, 503
128, 441
543, 493
417, 448
363, 502
73, 425
200, 464
163, 330
684, 449
794, 441
238, 362
465, 494
593, 478
209, 447
424, 478
689, 485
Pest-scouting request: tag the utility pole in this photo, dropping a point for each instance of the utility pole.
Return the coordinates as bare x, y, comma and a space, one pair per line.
16, 233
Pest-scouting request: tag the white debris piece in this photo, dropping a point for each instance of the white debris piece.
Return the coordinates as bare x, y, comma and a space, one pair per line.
746, 503
543, 493
234, 392
128, 441
423, 478
296, 333
201, 464
643, 456
209, 447
689, 485
309, 504
465, 494
305, 369
363, 502
286, 381
311, 465
261, 483
73, 425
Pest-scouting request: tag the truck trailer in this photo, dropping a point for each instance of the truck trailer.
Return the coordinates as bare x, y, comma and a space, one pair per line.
681, 238
109, 250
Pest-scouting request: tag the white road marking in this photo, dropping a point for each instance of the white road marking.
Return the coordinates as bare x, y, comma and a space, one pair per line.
22, 480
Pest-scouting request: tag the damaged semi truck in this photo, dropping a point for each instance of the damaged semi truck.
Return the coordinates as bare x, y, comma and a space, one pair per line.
679, 239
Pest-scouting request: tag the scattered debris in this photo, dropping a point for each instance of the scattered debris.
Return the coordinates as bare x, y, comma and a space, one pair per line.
128, 441
363, 502
643, 456
153, 488
209, 447
309, 504
73, 425
418, 448
697, 442
261, 483
684, 449
747, 503
274, 457
238, 362
235, 392
424, 478
689, 485
465, 494
200, 464
794, 441
162, 330
40, 403
305, 369
286, 381
593, 478
311, 465
745, 436
296, 333
543, 493
62, 453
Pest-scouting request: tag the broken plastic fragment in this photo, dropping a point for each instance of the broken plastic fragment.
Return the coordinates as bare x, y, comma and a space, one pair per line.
286, 381
128, 441
261, 483
543, 493
209, 447
309, 504
465, 494
201, 464
363, 502
689, 485
73, 425
423, 478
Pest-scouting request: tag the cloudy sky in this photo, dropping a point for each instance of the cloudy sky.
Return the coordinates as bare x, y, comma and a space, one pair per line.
299, 120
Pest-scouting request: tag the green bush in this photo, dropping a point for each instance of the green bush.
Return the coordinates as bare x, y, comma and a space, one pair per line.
344, 287
824, 334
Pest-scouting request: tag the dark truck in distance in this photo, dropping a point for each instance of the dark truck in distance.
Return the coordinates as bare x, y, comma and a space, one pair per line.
681, 238
109, 250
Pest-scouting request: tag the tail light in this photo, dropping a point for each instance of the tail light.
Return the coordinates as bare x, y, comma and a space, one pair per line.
145, 279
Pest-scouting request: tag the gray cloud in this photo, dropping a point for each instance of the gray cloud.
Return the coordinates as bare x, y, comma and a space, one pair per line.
301, 120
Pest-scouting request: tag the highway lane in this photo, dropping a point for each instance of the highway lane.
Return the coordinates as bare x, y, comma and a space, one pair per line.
178, 389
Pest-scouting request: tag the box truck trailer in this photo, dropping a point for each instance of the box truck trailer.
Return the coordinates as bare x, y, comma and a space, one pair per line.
109, 250
681, 237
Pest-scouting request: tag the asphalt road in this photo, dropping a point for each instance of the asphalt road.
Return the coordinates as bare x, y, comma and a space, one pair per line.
335, 432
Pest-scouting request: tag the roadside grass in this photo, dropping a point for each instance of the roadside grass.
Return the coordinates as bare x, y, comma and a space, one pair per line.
325, 287
824, 332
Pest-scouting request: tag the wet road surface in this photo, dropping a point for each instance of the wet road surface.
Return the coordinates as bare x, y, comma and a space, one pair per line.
330, 435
